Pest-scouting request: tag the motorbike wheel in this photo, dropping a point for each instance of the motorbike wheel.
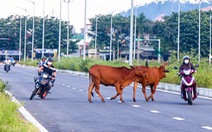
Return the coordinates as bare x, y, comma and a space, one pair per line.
189, 98
33, 93
44, 95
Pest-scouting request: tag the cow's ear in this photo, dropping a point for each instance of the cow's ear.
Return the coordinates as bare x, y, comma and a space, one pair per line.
166, 70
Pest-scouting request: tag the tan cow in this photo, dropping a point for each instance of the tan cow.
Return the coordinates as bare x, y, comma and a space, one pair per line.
120, 77
153, 75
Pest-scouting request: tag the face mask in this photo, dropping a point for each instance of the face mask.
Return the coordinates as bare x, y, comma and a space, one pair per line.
49, 63
186, 61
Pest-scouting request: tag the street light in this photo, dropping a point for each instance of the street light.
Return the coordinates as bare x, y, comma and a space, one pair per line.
25, 32
210, 40
33, 29
59, 33
135, 31
43, 28
131, 34
96, 35
178, 38
68, 1
199, 33
111, 33
19, 58
84, 29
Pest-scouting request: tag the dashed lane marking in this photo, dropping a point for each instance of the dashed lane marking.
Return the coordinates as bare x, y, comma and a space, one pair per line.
178, 118
136, 106
108, 98
74, 88
154, 111
68, 86
207, 127
81, 90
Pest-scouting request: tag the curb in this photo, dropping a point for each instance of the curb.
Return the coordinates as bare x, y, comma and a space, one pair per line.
26, 114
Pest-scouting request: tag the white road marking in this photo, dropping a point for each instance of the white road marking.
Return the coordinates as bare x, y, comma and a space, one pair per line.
62, 84
68, 86
74, 88
178, 118
207, 127
154, 111
108, 98
136, 106
81, 90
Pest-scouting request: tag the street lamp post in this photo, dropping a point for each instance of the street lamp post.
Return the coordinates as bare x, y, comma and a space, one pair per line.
111, 33
84, 29
178, 38
135, 31
25, 25
43, 34
59, 32
19, 58
96, 36
131, 34
67, 51
210, 41
199, 33
33, 29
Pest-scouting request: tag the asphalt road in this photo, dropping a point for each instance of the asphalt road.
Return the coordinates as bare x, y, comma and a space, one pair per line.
68, 110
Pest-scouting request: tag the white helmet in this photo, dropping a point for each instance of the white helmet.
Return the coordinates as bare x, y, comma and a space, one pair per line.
186, 59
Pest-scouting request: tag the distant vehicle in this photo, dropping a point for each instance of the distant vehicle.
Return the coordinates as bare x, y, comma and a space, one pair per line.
13, 62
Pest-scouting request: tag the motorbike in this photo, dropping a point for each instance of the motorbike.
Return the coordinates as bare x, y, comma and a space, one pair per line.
187, 84
7, 67
42, 86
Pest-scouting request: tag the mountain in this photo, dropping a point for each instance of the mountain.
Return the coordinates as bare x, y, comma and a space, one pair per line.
154, 11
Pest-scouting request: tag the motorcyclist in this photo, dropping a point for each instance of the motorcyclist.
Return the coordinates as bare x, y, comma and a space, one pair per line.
7, 62
184, 66
49, 68
42, 61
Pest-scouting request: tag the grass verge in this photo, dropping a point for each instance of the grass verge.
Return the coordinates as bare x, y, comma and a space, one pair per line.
10, 118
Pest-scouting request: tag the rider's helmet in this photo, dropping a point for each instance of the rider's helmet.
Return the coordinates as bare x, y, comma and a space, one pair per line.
186, 59
49, 61
43, 58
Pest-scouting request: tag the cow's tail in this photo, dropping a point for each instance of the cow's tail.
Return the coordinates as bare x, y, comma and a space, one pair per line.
90, 81
147, 63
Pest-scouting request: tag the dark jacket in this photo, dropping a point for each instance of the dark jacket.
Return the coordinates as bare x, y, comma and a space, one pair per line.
186, 66
49, 70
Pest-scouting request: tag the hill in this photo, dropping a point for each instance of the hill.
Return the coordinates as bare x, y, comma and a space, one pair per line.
153, 10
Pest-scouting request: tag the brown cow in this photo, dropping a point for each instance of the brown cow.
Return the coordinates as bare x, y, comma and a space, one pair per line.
120, 77
153, 76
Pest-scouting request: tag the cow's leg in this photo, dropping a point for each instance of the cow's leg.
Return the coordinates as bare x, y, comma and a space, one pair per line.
144, 92
97, 87
153, 90
134, 90
121, 91
117, 94
90, 88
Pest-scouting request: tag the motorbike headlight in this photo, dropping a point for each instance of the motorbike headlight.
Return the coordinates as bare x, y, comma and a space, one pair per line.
45, 75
